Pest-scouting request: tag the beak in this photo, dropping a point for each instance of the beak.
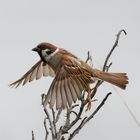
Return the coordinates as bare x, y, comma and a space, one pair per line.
36, 49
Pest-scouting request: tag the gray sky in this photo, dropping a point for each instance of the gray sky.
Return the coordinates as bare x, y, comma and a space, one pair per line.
78, 26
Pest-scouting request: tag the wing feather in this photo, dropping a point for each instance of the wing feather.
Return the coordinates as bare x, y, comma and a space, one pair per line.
68, 92
33, 75
26, 79
53, 95
39, 72
63, 95
51, 72
73, 90
77, 89
35, 72
58, 96
45, 70
79, 83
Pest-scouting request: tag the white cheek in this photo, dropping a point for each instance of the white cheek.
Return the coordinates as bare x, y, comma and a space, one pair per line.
44, 53
46, 56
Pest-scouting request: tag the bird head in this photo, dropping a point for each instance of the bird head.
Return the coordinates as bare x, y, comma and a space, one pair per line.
45, 50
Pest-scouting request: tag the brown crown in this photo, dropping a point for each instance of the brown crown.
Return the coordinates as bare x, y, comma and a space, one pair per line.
45, 45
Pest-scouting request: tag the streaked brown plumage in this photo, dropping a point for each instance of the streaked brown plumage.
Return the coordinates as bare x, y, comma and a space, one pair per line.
71, 75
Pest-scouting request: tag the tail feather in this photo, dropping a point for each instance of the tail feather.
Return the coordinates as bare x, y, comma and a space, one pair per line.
118, 79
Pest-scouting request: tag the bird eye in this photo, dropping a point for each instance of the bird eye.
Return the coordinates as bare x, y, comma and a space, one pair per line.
48, 52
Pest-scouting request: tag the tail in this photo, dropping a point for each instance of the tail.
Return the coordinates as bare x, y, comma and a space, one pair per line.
118, 79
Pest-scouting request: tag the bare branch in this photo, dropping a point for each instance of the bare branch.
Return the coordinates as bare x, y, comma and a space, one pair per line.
74, 112
114, 46
50, 122
106, 66
58, 115
88, 57
98, 108
76, 131
75, 120
33, 136
46, 130
87, 119
74, 106
54, 121
67, 123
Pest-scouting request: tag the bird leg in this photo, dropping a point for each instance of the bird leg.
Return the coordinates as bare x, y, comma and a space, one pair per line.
89, 100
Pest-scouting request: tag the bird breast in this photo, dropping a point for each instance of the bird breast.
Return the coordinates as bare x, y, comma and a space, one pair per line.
54, 61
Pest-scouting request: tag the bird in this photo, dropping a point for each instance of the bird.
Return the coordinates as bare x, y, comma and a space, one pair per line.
71, 75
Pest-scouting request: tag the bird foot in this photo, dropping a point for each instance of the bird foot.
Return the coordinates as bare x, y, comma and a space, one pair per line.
89, 100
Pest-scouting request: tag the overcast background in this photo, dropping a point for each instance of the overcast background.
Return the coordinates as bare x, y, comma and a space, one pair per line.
78, 26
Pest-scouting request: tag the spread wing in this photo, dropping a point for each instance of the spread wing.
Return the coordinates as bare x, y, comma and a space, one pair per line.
67, 86
36, 72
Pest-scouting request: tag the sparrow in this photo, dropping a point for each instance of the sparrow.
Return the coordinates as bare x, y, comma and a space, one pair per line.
71, 75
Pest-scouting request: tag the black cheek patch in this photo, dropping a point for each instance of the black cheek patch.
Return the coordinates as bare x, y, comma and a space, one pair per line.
48, 52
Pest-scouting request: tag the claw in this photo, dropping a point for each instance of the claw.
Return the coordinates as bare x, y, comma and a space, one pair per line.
88, 106
89, 100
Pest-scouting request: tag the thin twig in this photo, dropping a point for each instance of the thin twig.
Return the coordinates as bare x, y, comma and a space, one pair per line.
74, 106
67, 123
98, 108
87, 119
106, 66
128, 108
76, 131
58, 115
88, 57
46, 130
75, 120
50, 122
33, 136
54, 121
74, 112
114, 46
